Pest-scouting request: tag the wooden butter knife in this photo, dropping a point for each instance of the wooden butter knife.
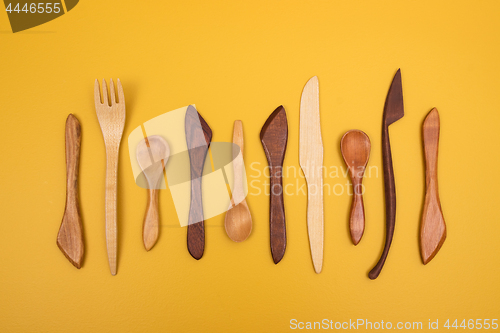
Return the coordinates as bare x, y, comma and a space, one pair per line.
274, 137
311, 162
393, 111
198, 137
433, 227
70, 235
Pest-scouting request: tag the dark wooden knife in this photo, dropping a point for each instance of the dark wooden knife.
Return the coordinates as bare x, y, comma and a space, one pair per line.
274, 136
198, 137
393, 111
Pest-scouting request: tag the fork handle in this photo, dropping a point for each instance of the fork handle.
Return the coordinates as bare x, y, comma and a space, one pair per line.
110, 206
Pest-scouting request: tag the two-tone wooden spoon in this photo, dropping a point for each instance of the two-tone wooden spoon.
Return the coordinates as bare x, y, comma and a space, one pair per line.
355, 147
198, 137
433, 227
70, 235
238, 221
152, 155
274, 137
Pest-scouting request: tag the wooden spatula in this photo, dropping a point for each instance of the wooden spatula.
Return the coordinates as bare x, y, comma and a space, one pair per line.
238, 221
433, 228
152, 155
198, 137
355, 147
393, 111
274, 137
70, 236
311, 162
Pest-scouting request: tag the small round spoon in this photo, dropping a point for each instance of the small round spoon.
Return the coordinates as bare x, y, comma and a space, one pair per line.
152, 155
238, 221
355, 146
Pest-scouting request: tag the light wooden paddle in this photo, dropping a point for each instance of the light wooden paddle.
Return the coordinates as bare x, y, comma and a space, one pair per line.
238, 220
112, 120
433, 227
152, 155
70, 235
311, 162
355, 147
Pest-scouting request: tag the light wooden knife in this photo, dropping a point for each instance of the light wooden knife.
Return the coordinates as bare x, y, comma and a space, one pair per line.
311, 162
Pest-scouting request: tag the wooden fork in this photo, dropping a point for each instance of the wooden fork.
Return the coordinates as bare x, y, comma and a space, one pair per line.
112, 120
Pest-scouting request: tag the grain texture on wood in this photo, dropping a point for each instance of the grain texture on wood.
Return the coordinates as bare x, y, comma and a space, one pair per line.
355, 147
274, 137
311, 162
111, 116
152, 155
433, 227
70, 235
393, 111
238, 221
198, 138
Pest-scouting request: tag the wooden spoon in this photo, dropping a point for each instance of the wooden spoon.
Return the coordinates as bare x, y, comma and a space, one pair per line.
70, 235
152, 155
238, 220
355, 146
433, 228
274, 137
198, 138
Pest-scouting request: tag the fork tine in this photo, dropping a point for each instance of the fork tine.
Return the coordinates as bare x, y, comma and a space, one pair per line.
105, 99
112, 91
97, 93
121, 97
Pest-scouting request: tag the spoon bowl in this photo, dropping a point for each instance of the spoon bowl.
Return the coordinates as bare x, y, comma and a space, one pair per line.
355, 146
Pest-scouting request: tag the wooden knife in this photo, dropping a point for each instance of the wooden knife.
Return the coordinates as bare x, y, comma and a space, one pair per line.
393, 111
274, 137
433, 228
70, 235
198, 137
311, 162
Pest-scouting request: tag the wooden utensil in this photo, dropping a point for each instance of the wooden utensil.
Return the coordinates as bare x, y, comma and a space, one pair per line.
274, 136
238, 222
70, 236
433, 227
355, 146
152, 155
112, 120
311, 162
393, 111
198, 137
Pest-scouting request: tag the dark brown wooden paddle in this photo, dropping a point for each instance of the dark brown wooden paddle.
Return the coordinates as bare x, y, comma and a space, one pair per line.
70, 235
198, 137
393, 111
274, 136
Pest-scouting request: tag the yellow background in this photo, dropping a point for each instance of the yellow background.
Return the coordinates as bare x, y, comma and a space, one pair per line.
240, 60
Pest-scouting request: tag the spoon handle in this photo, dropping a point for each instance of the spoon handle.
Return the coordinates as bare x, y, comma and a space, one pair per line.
151, 220
390, 201
70, 235
277, 214
238, 194
357, 219
433, 227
